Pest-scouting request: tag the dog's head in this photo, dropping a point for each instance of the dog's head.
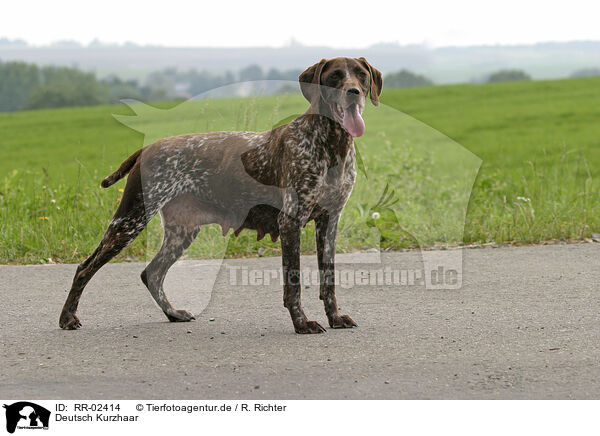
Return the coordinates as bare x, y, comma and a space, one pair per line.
338, 88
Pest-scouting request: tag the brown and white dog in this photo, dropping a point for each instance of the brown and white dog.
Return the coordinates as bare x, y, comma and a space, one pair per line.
273, 182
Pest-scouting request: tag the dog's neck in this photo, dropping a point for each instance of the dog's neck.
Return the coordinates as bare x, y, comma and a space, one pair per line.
315, 128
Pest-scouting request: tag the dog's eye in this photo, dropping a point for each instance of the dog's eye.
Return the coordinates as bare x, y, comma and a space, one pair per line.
334, 78
337, 74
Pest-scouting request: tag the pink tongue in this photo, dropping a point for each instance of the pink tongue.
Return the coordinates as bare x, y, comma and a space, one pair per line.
353, 122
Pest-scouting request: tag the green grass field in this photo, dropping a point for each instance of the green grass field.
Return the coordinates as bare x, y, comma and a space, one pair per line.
538, 144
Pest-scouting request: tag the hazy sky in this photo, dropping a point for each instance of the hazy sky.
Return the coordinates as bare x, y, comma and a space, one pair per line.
349, 23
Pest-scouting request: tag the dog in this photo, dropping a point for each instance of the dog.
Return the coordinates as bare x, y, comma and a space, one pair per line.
273, 182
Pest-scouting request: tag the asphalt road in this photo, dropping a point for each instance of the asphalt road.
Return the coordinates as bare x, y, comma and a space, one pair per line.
525, 324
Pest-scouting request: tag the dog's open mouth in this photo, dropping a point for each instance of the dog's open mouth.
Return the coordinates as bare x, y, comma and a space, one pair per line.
351, 118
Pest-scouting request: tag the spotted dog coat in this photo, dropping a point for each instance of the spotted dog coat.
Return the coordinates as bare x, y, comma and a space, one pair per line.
273, 182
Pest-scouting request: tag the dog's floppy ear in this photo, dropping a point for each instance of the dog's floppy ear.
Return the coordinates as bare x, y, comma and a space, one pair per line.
310, 81
376, 81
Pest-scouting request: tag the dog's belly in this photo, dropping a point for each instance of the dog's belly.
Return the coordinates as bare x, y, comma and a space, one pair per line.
191, 211
234, 201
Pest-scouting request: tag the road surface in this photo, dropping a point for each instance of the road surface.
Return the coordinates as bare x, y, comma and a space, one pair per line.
524, 325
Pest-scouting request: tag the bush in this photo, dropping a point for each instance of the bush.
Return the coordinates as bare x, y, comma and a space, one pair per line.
405, 79
508, 76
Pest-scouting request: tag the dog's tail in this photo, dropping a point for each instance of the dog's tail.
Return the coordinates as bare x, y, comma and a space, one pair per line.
122, 171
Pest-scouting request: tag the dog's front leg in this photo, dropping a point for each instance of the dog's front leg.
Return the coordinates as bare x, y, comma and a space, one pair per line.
326, 231
290, 229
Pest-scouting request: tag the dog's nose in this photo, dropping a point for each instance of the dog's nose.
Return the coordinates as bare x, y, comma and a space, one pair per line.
355, 91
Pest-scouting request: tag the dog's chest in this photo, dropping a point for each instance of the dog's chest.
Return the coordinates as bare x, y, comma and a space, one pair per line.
337, 184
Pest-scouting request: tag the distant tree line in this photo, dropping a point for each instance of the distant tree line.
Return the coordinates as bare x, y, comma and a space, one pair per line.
586, 72
26, 86
193, 82
515, 75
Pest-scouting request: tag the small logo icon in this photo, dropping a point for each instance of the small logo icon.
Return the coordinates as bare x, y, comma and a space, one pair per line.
26, 415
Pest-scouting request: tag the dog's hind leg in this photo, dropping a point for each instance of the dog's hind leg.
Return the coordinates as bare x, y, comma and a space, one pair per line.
176, 240
182, 218
120, 233
130, 219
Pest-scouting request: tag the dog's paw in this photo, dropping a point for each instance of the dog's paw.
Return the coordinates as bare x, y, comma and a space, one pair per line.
69, 321
311, 327
180, 316
342, 322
